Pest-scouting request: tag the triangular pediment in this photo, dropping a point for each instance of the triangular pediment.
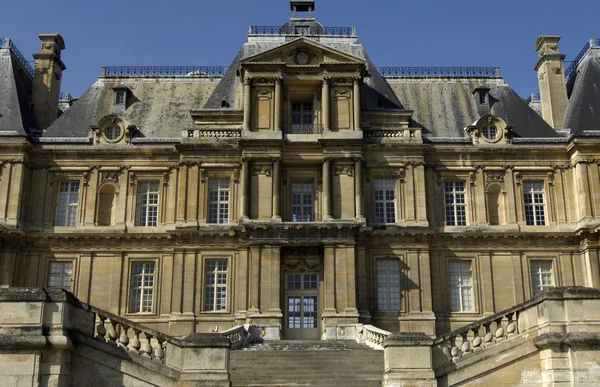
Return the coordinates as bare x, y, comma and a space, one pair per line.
303, 51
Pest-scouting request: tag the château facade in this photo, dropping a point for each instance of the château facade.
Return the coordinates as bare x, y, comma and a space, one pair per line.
302, 189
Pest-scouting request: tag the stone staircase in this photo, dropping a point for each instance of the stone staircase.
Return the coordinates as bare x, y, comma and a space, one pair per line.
306, 363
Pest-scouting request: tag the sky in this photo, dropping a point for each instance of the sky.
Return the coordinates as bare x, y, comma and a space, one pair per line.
210, 33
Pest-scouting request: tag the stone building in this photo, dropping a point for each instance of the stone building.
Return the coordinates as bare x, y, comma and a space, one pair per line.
302, 189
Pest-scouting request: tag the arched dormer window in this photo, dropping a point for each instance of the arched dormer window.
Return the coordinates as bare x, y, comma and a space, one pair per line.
489, 130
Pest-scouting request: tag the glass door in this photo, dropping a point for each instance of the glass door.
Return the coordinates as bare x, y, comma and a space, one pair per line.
302, 306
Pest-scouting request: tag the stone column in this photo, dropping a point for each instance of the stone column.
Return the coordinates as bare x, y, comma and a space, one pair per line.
358, 188
326, 104
278, 104
362, 285
327, 189
276, 189
583, 190
356, 82
245, 186
247, 103
329, 280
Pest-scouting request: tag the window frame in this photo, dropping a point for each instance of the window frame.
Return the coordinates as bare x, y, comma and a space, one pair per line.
388, 286
384, 201
130, 287
138, 205
454, 205
227, 286
219, 202
302, 205
77, 205
533, 205
120, 97
541, 287
59, 261
460, 287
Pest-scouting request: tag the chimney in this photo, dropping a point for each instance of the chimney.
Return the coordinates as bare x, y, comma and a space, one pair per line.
46, 82
551, 77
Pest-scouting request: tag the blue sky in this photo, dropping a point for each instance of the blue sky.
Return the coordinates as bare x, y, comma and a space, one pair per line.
394, 32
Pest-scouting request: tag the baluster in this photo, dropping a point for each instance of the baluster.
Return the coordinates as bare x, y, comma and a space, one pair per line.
477, 341
124, 339
135, 342
454, 351
499, 330
488, 334
112, 332
511, 328
158, 351
101, 330
147, 346
465, 347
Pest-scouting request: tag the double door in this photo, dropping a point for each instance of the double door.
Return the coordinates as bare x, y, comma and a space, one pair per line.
302, 306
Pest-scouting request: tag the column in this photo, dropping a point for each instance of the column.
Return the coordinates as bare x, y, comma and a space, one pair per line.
358, 189
583, 190
247, 103
245, 184
356, 83
362, 285
327, 189
275, 306
276, 189
278, 104
326, 104
329, 280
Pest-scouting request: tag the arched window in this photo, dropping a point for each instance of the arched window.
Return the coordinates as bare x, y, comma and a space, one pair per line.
495, 205
105, 215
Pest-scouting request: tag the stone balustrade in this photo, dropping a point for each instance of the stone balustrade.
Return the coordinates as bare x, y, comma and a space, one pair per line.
403, 134
479, 335
372, 336
242, 335
116, 330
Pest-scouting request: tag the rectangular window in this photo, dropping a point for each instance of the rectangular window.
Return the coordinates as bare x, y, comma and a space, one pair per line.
147, 204
461, 286
120, 98
456, 209
215, 285
67, 203
302, 202
482, 98
302, 113
541, 276
218, 201
142, 287
533, 195
60, 275
388, 285
385, 198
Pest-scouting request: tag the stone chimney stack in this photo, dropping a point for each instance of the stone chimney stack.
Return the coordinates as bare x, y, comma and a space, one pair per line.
551, 77
46, 82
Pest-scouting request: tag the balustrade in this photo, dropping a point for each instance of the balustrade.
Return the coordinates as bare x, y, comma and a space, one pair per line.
144, 342
372, 336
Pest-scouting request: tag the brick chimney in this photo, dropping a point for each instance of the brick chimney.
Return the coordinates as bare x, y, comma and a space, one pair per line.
551, 77
46, 82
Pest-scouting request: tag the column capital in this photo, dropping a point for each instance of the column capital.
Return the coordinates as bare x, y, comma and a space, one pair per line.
327, 159
247, 81
275, 159
359, 159
356, 79
278, 79
326, 80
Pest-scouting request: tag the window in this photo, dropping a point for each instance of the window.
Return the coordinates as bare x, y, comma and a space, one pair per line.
67, 203
490, 132
215, 286
302, 113
388, 285
541, 276
113, 132
120, 98
302, 202
147, 204
533, 195
456, 213
385, 197
482, 97
142, 288
60, 275
461, 286
218, 201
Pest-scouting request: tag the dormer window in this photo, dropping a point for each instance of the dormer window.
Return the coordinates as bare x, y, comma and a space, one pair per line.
483, 97
490, 132
113, 132
482, 93
120, 97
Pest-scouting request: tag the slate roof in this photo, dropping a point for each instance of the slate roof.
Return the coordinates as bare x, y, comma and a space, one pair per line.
444, 107
16, 84
583, 111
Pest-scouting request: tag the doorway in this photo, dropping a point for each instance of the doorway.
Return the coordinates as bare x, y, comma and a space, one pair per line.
301, 306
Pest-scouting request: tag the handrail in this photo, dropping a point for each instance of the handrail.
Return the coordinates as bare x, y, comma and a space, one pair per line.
164, 71
592, 43
446, 72
8, 43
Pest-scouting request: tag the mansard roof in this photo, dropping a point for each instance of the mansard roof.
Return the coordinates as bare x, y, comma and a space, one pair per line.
16, 83
583, 111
